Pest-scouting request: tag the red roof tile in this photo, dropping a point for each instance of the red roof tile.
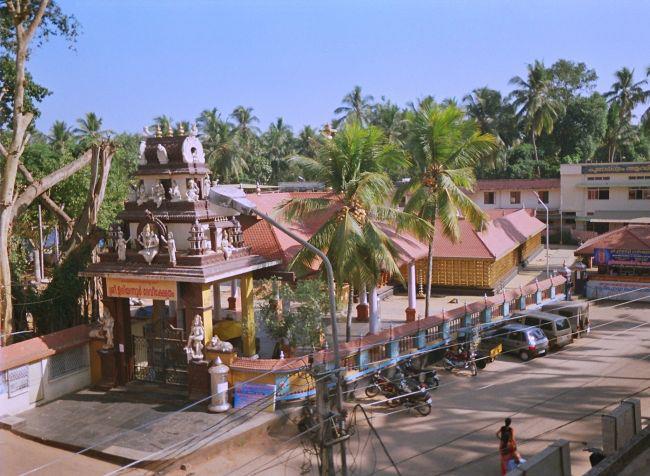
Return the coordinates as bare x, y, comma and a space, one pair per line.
517, 184
630, 237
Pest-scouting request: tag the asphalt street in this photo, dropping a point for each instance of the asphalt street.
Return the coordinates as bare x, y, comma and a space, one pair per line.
561, 395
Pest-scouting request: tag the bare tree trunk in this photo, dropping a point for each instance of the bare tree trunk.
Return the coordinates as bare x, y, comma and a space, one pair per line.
348, 320
539, 173
427, 296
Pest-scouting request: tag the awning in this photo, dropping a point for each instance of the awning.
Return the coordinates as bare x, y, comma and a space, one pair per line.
640, 217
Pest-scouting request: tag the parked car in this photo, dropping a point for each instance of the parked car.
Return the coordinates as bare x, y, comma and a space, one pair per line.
525, 341
556, 328
576, 311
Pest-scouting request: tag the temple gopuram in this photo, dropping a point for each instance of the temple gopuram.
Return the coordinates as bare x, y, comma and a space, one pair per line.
174, 248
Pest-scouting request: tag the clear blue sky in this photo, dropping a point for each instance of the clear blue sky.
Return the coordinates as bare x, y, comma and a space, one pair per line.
136, 59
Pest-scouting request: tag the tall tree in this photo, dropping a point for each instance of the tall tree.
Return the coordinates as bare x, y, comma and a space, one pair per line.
278, 146
90, 127
218, 140
536, 103
443, 148
627, 93
356, 107
354, 163
23, 22
60, 135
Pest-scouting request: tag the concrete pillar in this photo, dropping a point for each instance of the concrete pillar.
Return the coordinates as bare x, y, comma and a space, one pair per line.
538, 297
412, 292
506, 309
374, 311
362, 308
522, 302
232, 300
486, 315
247, 315
198, 299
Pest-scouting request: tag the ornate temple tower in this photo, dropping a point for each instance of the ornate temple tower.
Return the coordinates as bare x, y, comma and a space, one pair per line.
173, 246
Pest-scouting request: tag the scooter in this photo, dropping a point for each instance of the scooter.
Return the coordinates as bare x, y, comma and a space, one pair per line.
462, 360
417, 397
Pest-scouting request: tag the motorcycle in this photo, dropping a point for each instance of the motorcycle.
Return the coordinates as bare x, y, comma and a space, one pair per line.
428, 377
417, 397
461, 360
380, 384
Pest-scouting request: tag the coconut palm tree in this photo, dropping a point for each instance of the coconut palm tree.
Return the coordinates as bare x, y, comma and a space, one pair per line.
443, 147
245, 121
163, 122
391, 119
90, 126
307, 142
218, 140
354, 163
59, 136
627, 93
278, 144
356, 107
536, 104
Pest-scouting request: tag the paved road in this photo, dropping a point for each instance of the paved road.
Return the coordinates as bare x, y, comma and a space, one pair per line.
561, 395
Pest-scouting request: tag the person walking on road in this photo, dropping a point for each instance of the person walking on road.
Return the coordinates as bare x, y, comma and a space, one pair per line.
507, 447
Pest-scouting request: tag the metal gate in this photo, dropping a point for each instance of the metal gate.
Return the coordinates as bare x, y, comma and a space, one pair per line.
160, 355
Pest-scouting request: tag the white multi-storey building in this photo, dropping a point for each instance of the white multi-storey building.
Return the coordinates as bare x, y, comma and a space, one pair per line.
603, 197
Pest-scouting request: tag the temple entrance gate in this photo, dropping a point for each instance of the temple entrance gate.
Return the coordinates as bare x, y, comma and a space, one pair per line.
159, 355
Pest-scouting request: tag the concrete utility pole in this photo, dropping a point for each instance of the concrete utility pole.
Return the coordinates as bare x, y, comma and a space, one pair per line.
40, 240
548, 272
245, 206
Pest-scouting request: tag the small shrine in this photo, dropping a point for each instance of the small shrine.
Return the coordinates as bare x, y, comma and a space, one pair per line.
173, 247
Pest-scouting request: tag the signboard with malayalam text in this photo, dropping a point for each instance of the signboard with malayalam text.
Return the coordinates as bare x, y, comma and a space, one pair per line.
134, 288
604, 256
257, 395
643, 167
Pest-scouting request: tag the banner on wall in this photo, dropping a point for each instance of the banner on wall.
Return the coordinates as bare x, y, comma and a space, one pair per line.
604, 256
133, 288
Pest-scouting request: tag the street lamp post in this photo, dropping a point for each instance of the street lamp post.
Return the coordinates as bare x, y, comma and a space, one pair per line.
245, 206
539, 200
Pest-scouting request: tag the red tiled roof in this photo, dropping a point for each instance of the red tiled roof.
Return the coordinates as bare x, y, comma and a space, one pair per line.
630, 237
507, 229
38, 348
517, 184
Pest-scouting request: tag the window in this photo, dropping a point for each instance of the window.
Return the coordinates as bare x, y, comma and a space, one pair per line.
639, 193
68, 362
597, 194
543, 196
639, 177
488, 198
598, 178
562, 324
515, 198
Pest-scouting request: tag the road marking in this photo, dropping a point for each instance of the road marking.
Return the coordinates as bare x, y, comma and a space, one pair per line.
487, 386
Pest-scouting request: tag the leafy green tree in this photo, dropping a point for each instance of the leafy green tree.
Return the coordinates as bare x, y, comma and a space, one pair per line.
535, 102
277, 143
90, 127
354, 164
443, 148
60, 135
572, 79
626, 93
356, 107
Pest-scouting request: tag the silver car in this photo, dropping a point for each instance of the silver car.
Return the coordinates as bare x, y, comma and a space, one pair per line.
525, 341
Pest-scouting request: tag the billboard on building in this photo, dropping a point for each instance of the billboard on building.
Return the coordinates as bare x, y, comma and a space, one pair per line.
613, 168
133, 288
604, 256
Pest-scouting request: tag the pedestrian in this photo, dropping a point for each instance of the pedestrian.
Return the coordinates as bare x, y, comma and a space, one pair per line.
507, 446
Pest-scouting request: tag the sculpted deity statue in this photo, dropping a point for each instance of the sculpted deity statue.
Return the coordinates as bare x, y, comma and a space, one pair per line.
227, 248
193, 191
142, 194
206, 185
171, 247
195, 340
133, 193
120, 244
158, 193
105, 329
149, 241
175, 192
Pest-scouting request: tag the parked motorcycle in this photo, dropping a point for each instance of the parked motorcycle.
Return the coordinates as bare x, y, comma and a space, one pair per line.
460, 360
380, 384
417, 397
428, 377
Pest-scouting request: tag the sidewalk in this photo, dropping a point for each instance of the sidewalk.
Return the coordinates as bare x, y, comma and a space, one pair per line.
140, 421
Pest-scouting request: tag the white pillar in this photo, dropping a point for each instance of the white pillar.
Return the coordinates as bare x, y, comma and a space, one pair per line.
233, 288
374, 311
412, 285
363, 295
